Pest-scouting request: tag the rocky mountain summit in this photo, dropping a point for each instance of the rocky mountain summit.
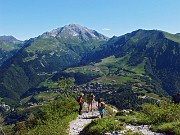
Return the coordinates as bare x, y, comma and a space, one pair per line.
77, 31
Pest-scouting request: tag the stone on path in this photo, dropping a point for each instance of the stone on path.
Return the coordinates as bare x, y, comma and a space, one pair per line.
77, 125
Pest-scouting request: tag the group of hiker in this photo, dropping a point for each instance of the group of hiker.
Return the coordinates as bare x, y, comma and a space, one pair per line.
90, 100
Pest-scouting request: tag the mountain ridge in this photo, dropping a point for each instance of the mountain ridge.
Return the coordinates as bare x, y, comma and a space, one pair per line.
162, 55
49, 53
10, 38
9, 45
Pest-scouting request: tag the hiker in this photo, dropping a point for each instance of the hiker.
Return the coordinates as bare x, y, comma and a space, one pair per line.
90, 99
101, 107
176, 98
80, 101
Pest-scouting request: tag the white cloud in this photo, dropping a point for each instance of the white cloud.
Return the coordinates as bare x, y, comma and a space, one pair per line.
106, 29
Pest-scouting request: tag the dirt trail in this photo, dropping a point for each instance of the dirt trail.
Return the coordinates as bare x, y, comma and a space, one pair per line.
77, 125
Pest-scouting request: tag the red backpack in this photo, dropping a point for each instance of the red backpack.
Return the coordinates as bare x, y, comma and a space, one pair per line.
80, 100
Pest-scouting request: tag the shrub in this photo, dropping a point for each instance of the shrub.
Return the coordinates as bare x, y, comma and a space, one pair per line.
53, 118
136, 118
169, 128
120, 113
101, 126
164, 112
109, 110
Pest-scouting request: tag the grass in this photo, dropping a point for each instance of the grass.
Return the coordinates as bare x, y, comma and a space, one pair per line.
139, 69
8, 46
118, 79
109, 110
52, 127
107, 68
173, 37
25, 100
42, 97
135, 118
106, 61
169, 128
8, 129
41, 44
50, 95
152, 95
48, 84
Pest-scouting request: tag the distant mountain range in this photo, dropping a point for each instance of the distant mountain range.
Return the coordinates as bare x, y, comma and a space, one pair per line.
39, 58
8, 47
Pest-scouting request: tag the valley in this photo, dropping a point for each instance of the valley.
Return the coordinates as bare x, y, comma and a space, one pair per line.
128, 72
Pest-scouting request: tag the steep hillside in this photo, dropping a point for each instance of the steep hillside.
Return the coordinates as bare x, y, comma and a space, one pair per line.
45, 55
173, 37
157, 51
8, 47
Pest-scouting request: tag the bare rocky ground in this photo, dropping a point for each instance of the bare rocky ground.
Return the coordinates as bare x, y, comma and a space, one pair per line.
143, 129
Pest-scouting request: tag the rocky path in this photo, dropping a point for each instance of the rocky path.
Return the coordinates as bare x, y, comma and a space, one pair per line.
144, 129
77, 125
141, 129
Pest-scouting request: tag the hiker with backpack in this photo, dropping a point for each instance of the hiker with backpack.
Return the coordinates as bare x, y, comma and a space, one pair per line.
101, 107
90, 98
80, 102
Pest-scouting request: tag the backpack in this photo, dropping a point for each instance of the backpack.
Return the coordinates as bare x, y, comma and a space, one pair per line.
79, 100
102, 105
90, 96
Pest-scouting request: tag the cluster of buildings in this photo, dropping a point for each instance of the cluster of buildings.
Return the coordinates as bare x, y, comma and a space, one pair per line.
94, 87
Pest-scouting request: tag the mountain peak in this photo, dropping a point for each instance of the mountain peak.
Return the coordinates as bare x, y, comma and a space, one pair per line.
9, 39
77, 31
74, 26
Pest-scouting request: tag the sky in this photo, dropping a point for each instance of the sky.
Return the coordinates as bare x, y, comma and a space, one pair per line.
26, 19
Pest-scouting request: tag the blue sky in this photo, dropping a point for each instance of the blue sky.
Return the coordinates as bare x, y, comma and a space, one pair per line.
26, 19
